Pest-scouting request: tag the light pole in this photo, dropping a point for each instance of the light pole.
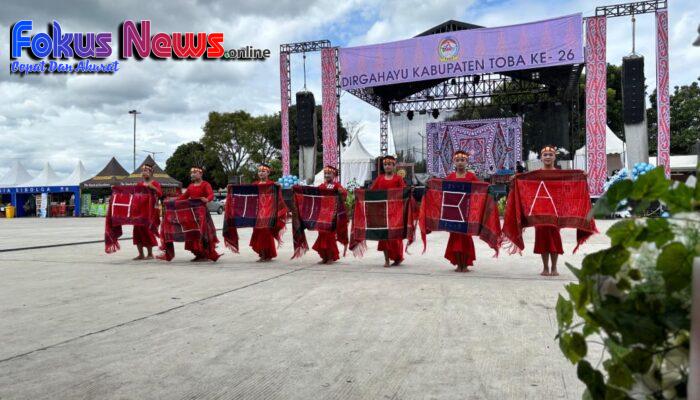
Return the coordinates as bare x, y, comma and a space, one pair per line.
135, 113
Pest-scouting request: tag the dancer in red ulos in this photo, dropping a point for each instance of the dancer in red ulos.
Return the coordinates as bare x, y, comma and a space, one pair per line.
263, 241
143, 236
393, 249
460, 247
547, 238
325, 244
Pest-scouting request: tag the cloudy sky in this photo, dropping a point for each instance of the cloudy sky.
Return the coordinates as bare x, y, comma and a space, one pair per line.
61, 119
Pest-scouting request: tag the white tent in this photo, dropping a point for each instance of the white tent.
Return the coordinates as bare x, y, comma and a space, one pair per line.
15, 176
47, 177
355, 164
78, 175
614, 149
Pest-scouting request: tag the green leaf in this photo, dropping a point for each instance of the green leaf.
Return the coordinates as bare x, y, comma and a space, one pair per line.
619, 375
634, 274
650, 186
578, 345
609, 202
638, 360
565, 312
591, 263
592, 378
574, 270
657, 230
619, 191
624, 232
613, 260
675, 264
679, 199
589, 329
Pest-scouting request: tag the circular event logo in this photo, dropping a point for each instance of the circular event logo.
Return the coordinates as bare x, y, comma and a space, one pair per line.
448, 49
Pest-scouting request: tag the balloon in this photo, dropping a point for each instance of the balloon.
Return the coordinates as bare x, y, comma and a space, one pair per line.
665, 214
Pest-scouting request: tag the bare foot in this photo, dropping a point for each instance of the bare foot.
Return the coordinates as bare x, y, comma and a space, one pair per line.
554, 273
397, 263
149, 257
544, 272
386, 264
139, 257
466, 269
321, 262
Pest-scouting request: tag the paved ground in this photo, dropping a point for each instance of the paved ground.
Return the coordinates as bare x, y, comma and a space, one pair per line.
80, 324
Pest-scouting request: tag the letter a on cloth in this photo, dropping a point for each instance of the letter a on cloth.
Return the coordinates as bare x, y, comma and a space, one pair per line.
317, 209
185, 221
128, 205
382, 215
558, 198
460, 207
254, 206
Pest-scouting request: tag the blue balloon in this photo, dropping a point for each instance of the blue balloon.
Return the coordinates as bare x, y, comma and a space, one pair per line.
665, 214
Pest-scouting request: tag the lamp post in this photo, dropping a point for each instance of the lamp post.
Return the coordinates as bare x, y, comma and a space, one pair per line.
135, 113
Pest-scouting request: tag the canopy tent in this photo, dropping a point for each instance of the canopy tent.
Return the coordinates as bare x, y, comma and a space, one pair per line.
356, 164
110, 175
78, 175
49, 183
165, 180
614, 149
47, 177
15, 176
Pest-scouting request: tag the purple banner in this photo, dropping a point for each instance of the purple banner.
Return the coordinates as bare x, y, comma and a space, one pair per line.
546, 43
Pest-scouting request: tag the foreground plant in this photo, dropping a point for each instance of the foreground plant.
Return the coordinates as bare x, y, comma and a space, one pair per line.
633, 299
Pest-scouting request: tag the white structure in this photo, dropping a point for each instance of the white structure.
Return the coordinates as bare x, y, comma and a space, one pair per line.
355, 164
78, 175
614, 149
47, 177
15, 176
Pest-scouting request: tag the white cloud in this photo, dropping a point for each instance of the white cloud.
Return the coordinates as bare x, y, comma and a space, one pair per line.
64, 118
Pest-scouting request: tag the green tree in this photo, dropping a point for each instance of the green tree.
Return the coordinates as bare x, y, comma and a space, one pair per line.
239, 141
188, 154
685, 119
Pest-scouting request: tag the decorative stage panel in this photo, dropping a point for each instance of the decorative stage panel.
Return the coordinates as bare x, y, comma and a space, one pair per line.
596, 104
493, 144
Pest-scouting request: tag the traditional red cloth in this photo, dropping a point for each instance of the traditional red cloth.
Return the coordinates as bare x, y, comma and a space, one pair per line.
459, 243
260, 206
143, 236
557, 198
547, 240
128, 205
187, 219
386, 213
321, 209
464, 208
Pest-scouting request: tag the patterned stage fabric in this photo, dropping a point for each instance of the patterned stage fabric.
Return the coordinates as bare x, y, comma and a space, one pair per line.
382, 215
317, 209
596, 104
663, 104
128, 205
493, 144
253, 206
329, 112
184, 221
557, 198
460, 207
284, 115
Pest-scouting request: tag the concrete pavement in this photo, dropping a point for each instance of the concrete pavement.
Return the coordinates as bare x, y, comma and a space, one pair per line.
81, 324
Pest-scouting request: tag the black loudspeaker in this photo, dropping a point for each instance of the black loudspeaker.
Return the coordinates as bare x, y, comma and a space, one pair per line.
633, 90
306, 119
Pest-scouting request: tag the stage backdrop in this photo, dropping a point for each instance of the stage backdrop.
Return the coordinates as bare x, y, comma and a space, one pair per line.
493, 144
538, 44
